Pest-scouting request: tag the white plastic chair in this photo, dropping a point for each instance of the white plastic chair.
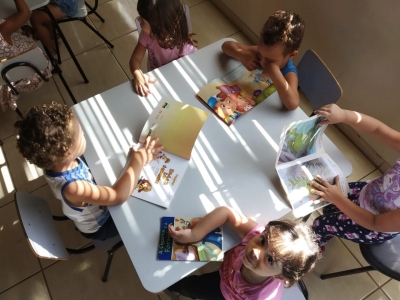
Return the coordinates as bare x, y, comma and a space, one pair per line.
43, 238
316, 81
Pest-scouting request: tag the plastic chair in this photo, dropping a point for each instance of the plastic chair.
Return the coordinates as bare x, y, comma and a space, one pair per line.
43, 238
26, 65
316, 81
383, 257
188, 19
80, 16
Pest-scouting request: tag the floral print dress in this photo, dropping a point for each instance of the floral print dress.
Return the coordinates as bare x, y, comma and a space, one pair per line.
20, 45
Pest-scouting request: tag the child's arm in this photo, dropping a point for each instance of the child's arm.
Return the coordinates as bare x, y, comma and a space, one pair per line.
389, 221
141, 81
371, 126
286, 86
247, 55
80, 192
15, 21
219, 216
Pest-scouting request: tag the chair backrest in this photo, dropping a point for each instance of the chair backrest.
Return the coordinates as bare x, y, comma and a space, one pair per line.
34, 56
384, 257
316, 81
188, 19
38, 225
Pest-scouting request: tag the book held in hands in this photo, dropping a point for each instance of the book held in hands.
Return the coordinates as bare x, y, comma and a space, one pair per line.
208, 249
301, 157
236, 93
177, 126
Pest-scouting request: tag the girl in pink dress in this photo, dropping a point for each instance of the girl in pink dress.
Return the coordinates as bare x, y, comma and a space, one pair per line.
268, 258
165, 35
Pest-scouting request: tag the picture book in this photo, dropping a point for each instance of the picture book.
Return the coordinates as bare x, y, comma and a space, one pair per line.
236, 93
301, 157
208, 249
177, 126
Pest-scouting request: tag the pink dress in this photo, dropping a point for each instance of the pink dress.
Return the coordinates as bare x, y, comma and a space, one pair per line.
20, 45
159, 56
234, 287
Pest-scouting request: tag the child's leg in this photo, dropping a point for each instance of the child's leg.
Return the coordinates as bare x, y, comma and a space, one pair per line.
204, 286
41, 23
340, 225
335, 223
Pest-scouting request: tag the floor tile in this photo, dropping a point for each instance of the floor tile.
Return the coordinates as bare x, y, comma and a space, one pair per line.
83, 272
119, 16
7, 187
30, 289
378, 295
79, 37
241, 38
337, 258
123, 51
101, 69
16, 260
209, 24
191, 3
26, 177
392, 289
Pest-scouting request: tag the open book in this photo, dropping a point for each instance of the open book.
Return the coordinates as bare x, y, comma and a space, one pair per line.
236, 93
208, 249
177, 126
301, 157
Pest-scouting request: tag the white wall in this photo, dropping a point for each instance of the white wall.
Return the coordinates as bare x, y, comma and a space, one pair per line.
358, 39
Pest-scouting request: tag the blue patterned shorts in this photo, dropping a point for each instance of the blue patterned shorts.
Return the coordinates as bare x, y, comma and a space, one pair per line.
68, 7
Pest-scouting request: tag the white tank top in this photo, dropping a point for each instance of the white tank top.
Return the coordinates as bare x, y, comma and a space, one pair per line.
87, 219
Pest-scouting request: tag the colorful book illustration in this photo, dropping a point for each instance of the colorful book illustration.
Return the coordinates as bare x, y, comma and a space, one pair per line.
177, 126
301, 157
236, 93
208, 249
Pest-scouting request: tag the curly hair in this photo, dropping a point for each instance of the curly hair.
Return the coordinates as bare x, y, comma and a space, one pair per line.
283, 27
44, 134
167, 21
293, 245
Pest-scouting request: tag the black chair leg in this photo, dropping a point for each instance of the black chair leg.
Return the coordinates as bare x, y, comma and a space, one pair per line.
110, 258
98, 33
348, 272
93, 11
303, 288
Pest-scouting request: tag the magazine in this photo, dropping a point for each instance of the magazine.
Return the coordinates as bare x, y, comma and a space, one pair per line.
177, 126
236, 93
301, 157
208, 249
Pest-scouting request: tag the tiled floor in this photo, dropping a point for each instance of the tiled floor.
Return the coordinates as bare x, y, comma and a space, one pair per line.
23, 276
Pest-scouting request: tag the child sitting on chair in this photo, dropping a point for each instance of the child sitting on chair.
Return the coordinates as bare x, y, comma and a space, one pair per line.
50, 137
41, 21
13, 44
165, 35
268, 258
281, 37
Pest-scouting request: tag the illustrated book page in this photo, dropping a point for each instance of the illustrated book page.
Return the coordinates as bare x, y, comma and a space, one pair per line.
301, 158
177, 126
236, 93
208, 249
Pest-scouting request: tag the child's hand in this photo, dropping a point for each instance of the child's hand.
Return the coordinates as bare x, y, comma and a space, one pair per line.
269, 69
325, 190
141, 83
333, 114
249, 60
181, 235
149, 151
